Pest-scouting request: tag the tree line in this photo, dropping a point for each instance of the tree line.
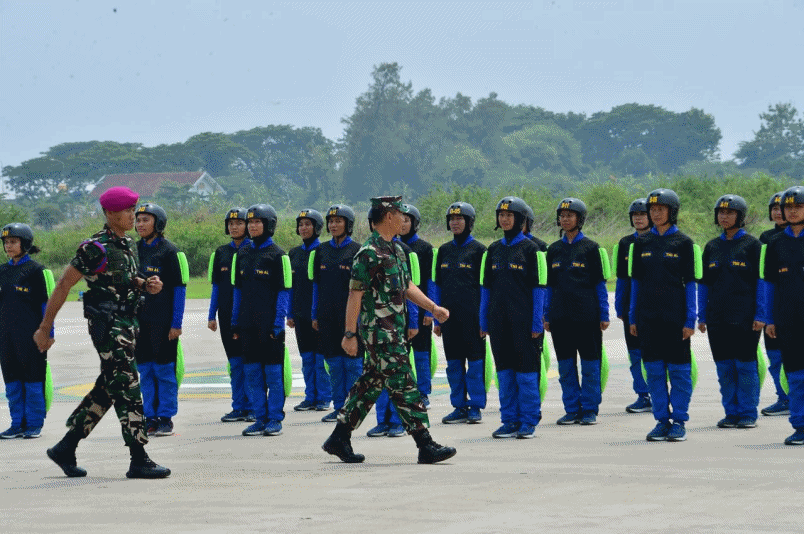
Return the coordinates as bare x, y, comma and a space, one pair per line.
399, 140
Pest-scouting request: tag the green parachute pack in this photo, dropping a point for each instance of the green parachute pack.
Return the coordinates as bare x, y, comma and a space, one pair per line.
50, 284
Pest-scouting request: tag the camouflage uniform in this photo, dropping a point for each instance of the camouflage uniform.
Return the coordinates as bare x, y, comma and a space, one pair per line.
380, 271
109, 265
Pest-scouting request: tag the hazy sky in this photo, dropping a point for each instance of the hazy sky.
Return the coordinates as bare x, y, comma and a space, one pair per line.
161, 71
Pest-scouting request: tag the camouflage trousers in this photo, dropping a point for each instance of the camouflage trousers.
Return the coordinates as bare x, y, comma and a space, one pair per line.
118, 384
387, 366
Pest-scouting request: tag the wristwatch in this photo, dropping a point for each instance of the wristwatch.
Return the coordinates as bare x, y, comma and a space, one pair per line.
349, 334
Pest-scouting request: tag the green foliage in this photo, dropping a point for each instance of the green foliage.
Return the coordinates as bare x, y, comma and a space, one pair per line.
10, 213
778, 145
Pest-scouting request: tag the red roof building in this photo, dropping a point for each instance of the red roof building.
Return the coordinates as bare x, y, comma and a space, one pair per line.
147, 184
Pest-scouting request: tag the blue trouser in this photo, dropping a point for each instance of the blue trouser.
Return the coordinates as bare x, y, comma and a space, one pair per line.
386, 411
520, 401
795, 393
238, 381
160, 391
775, 367
640, 387
167, 392
679, 395
323, 385
255, 385
309, 374
274, 383
727, 377
739, 387
747, 389
34, 404
423, 378
343, 373
467, 386
15, 393
584, 396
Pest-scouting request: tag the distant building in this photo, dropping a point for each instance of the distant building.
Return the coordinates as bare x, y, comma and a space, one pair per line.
147, 183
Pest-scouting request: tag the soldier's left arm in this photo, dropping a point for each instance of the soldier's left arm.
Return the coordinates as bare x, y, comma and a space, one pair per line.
179, 294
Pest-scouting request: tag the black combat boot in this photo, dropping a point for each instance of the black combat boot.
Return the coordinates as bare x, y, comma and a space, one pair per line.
339, 444
431, 452
142, 466
63, 453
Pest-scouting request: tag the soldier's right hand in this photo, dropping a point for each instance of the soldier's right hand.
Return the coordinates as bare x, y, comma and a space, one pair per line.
315, 325
441, 314
213, 325
43, 340
291, 323
770, 330
633, 330
437, 330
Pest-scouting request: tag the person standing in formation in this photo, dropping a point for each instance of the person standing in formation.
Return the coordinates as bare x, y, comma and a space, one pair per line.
220, 305
317, 389
456, 285
332, 267
640, 222
731, 311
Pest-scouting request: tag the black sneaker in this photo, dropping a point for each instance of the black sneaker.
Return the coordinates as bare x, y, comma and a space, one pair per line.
331, 417
780, 407
433, 452
65, 459
458, 415
165, 427
146, 468
729, 421
747, 422
234, 415
305, 406
641, 405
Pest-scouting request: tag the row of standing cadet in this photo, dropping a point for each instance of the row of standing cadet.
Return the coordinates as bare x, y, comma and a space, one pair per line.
157, 352
575, 311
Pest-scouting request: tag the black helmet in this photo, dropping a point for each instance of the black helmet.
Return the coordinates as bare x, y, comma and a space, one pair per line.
341, 210
313, 215
639, 205
22, 231
158, 214
734, 202
775, 200
572, 204
515, 205
530, 218
236, 213
462, 208
415, 217
267, 213
794, 195
665, 197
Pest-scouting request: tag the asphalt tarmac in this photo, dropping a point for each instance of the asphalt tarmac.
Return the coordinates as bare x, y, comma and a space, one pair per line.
602, 478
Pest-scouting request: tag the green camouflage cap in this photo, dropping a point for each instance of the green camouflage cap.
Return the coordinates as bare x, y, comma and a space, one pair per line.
388, 202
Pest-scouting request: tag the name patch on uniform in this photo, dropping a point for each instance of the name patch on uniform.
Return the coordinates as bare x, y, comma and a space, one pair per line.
737, 263
783, 270
323, 267
346, 268
647, 254
224, 269
465, 265
22, 289
556, 265
263, 272
578, 265
516, 266
713, 264
671, 254
150, 269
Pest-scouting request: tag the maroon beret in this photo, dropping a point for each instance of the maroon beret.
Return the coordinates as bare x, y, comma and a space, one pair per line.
118, 198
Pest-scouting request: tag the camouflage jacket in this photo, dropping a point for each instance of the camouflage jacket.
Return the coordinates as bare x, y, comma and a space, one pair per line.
380, 271
109, 265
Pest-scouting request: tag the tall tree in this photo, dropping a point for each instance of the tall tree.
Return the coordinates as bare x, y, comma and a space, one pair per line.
778, 145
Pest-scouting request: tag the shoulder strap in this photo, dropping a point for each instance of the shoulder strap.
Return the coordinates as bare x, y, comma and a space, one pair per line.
183, 267
697, 257
604, 263
541, 262
287, 272
211, 266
